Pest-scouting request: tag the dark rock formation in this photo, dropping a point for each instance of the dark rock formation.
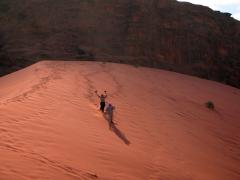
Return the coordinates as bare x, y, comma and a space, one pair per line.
165, 34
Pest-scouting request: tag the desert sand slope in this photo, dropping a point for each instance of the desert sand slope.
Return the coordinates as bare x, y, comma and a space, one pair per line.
51, 128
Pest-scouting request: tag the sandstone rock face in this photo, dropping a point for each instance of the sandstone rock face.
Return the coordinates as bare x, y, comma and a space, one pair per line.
165, 34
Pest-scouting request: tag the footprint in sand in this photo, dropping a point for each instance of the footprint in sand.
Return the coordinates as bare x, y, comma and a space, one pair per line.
97, 115
93, 106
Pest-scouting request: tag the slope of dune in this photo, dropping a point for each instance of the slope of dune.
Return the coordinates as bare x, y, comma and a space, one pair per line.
51, 128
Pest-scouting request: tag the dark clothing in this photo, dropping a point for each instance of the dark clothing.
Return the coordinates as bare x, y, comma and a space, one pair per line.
102, 106
102, 98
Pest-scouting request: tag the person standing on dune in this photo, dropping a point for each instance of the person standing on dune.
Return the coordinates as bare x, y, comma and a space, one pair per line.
102, 100
109, 113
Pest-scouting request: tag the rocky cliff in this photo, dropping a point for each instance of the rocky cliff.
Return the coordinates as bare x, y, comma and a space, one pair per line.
165, 34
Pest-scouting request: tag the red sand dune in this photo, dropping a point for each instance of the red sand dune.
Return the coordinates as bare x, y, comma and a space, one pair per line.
51, 128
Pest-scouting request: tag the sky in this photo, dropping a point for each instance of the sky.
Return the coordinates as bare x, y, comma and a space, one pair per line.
231, 6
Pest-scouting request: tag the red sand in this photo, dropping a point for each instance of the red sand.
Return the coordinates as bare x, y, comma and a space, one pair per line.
51, 128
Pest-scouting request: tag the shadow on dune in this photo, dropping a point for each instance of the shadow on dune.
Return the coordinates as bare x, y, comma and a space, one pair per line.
113, 127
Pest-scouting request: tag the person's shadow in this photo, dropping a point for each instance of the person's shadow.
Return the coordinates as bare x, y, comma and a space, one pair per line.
112, 126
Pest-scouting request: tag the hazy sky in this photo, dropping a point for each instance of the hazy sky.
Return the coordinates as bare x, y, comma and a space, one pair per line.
231, 6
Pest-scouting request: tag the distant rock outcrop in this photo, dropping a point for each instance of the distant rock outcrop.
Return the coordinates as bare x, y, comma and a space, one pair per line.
167, 34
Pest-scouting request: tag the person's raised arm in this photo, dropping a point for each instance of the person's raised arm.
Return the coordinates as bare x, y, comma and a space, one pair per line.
97, 93
105, 94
